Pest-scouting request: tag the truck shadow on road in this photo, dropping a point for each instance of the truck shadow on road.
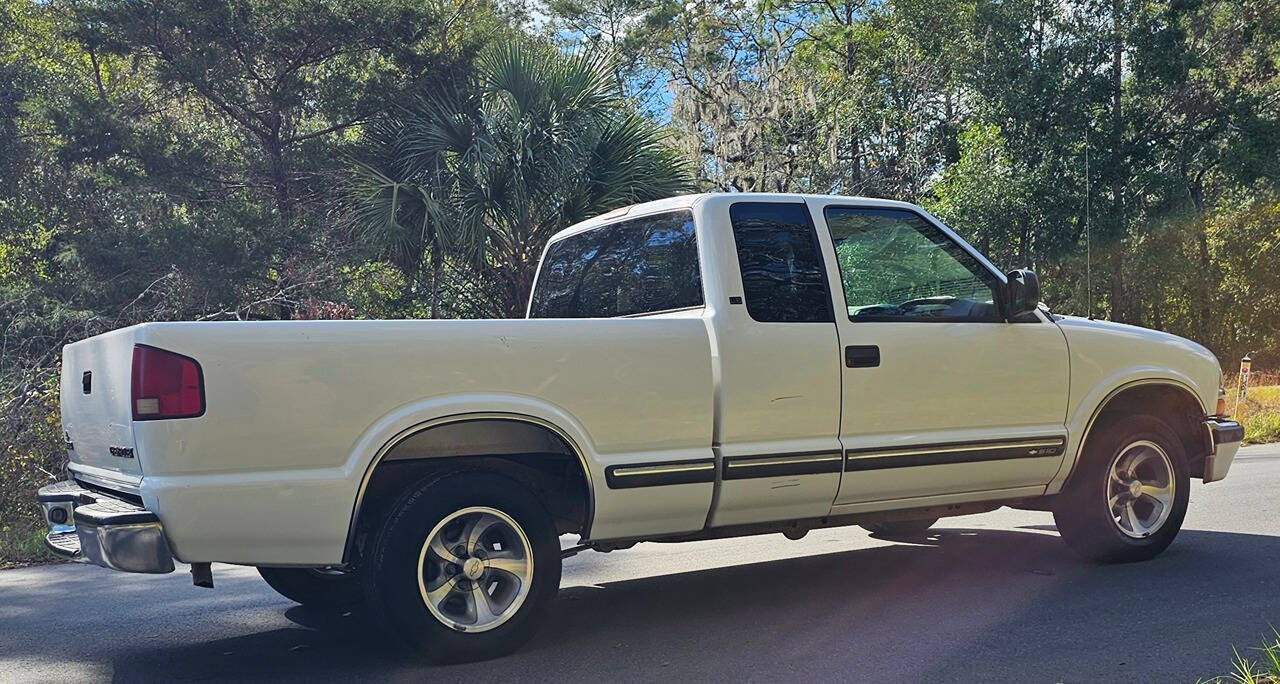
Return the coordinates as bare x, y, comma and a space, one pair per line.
959, 604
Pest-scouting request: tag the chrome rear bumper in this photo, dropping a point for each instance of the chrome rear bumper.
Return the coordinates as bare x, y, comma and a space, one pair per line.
1226, 436
89, 525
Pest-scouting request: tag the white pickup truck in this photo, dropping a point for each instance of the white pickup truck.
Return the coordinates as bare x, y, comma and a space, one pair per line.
699, 367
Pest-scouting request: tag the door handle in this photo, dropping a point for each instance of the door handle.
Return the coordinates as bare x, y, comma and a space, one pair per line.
862, 356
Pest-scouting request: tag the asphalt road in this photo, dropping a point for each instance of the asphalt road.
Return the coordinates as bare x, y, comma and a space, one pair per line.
989, 597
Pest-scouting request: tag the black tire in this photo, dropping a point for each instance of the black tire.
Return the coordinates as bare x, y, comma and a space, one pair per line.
316, 587
1083, 513
391, 572
900, 528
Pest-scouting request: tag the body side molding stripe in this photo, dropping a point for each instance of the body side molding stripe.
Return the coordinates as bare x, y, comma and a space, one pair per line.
659, 474
963, 452
626, 476
778, 465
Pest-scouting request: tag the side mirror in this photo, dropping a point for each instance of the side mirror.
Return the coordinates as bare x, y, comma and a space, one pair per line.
1021, 293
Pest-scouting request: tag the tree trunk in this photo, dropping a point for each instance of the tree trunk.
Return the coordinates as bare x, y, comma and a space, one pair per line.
521, 288
1204, 282
850, 63
279, 179
284, 208
1119, 302
437, 269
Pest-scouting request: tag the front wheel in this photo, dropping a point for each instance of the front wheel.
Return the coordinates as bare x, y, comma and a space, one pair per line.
1131, 493
464, 567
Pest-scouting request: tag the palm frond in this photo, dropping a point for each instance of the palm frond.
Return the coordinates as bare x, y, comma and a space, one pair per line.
587, 86
438, 123
631, 163
520, 74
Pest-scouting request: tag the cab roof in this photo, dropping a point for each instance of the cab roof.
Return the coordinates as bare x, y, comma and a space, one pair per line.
690, 201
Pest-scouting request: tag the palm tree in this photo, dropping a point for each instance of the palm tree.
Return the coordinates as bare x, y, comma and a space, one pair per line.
481, 176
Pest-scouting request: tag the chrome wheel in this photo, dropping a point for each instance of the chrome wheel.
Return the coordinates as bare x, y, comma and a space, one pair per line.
1140, 489
475, 569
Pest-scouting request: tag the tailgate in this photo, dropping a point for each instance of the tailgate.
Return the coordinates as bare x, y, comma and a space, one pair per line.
96, 416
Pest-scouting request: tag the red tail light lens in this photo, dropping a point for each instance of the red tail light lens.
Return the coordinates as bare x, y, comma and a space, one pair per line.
165, 385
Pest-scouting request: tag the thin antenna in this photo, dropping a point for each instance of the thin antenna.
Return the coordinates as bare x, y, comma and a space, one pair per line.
1088, 237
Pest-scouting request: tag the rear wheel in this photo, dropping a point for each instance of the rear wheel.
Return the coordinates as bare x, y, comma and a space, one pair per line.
464, 567
323, 588
1131, 493
900, 528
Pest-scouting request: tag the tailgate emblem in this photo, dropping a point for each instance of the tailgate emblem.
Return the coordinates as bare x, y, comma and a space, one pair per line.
122, 452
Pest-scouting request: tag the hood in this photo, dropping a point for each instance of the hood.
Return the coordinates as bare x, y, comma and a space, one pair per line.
1136, 332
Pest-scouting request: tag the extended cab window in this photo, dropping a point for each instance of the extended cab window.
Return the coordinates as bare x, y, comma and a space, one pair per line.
896, 266
630, 267
782, 275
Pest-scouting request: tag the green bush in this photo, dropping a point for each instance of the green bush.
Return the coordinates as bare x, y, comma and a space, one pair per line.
22, 545
33, 456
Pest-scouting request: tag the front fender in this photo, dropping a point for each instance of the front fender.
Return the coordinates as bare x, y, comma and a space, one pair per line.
1086, 411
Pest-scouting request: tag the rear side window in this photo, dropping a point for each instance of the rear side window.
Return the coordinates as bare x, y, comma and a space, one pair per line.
783, 280
643, 265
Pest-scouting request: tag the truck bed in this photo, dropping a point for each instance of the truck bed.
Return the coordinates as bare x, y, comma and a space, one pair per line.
297, 411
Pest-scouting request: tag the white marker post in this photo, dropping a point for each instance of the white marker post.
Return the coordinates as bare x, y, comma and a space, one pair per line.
1245, 364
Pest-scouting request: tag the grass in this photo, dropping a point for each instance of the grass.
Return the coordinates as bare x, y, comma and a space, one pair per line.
21, 544
1259, 413
1262, 668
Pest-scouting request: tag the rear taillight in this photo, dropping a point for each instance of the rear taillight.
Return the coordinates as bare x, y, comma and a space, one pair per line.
165, 385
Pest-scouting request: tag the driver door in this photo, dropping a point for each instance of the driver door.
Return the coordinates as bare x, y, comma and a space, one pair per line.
940, 396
